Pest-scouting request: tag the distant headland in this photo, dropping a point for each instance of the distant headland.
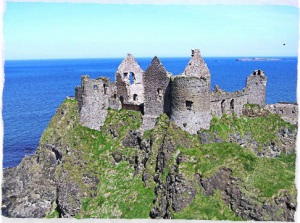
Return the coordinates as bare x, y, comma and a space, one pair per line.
258, 59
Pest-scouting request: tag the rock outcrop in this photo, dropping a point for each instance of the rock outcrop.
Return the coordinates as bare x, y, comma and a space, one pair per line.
122, 172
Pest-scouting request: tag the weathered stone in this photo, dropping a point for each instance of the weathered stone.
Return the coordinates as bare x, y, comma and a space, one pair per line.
157, 93
186, 98
29, 190
129, 78
132, 139
287, 111
117, 156
247, 207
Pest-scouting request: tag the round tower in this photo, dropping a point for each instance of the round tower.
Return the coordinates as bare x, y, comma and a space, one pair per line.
190, 103
190, 95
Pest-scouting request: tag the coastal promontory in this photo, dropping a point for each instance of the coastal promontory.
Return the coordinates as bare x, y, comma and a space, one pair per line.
241, 168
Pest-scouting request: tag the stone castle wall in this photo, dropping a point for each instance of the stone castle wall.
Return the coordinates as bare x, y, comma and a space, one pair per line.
113, 99
256, 88
186, 98
131, 74
196, 66
190, 103
122, 90
222, 102
156, 93
93, 98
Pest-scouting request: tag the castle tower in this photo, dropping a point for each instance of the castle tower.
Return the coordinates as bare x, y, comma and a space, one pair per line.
129, 80
196, 66
156, 93
190, 100
93, 99
256, 88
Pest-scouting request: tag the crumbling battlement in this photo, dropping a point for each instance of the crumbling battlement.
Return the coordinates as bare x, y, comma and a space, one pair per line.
185, 98
223, 102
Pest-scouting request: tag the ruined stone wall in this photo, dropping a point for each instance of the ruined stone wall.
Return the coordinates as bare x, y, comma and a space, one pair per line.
186, 98
287, 111
131, 74
227, 102
94, 97
256, 88
122, 91
113, 99
156, 93
78, 96
190, 103
196, 66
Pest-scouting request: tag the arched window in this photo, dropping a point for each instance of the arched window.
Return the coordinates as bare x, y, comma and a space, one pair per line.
135, 97
105, 88
232, 104
95, 87
159, 94
121, 99
132, 78
223, 106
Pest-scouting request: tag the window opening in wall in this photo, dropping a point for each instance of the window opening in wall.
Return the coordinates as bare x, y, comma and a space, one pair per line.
132, 78
95, 87
188, 105
115, 96
125, 75
223, 106
105, 88
232, 104
121, 99
159, 94
135, 97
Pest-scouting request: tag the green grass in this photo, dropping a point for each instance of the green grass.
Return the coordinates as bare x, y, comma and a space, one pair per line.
121, 193
207, 208
263, 130
267, 175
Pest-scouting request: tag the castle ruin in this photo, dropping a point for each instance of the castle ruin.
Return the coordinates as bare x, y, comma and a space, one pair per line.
185, 98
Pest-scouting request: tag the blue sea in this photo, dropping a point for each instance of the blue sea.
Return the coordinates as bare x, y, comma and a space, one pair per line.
34, 89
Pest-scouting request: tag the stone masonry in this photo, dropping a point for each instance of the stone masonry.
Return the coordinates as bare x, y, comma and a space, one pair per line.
185, 98
129, 78
156, 92
93, 97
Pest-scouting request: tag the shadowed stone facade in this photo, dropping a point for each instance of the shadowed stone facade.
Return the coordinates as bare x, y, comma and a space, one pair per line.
185, 98
157, 93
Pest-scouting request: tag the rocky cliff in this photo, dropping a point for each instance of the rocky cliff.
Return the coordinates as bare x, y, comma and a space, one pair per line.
242, 168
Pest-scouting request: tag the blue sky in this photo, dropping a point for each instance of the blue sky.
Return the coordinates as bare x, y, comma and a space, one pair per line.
69, 30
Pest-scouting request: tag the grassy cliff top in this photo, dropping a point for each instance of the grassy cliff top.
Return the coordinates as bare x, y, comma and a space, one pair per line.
133, 178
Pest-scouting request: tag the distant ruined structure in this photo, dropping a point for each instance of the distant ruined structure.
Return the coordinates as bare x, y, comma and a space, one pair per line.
185, 98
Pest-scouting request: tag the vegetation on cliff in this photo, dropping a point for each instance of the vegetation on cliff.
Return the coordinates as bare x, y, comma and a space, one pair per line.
227, 172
